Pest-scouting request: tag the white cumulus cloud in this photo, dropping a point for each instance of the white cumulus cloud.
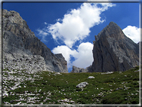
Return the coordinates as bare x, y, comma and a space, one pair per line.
83, 55
133, 33
76, 24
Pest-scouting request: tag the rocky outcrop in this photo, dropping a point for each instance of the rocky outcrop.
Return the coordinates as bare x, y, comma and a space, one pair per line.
63, 61
81, 70
19, 41
113, 51
78, 70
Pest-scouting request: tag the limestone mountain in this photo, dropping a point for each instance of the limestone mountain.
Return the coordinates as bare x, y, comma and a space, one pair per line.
22, 47
113, 51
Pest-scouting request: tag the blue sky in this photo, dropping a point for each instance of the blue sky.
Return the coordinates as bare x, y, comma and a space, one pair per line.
69, 28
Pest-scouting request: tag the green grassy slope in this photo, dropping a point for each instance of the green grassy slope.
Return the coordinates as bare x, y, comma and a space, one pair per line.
51, 88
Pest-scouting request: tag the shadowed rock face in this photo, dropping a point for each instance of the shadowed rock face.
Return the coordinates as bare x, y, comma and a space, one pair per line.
63, 61
19, 40
113, 51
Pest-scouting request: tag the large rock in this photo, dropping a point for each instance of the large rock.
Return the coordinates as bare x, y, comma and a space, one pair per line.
113, 51
82, 85
91, 77
19, 41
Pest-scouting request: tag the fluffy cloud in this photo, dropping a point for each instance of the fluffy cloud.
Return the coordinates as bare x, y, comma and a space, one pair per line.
133, 33
76, 24
83, 55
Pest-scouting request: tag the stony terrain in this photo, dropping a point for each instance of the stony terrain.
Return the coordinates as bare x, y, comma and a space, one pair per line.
19, 42
21, 87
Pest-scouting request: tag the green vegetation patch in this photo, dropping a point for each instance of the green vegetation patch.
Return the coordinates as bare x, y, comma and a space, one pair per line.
52, 88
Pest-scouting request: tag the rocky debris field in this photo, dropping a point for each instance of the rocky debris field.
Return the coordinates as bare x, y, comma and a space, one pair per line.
21, 87
29, 63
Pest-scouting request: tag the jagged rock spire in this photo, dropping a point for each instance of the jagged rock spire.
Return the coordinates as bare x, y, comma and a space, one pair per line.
113, 51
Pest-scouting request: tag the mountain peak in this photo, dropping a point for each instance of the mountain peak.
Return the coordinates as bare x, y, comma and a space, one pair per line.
111, 30
113, 51
13, 16
112, 23
113, 26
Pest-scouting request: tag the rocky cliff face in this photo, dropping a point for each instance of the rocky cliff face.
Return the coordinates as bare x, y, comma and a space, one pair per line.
22, 48
113, 51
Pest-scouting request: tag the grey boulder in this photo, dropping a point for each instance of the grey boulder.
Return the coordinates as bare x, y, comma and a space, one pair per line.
91, 77
82, 84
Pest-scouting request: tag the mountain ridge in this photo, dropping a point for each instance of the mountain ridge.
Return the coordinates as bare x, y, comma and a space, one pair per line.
111, 48
19, 41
